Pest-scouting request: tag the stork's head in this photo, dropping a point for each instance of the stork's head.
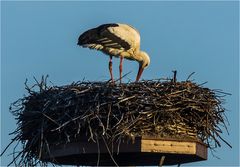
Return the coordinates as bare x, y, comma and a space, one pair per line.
144, 61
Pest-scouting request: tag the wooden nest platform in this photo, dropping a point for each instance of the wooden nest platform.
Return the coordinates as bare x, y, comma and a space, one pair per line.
98, 123
144, 151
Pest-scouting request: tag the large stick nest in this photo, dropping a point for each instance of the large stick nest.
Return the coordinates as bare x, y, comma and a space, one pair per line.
54, 115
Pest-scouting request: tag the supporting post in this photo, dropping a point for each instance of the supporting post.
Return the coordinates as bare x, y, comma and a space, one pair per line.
161, 161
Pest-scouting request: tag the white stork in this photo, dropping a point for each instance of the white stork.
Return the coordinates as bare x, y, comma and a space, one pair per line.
119, 40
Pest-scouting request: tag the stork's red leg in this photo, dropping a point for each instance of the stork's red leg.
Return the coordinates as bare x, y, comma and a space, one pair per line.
120, 68
110, 69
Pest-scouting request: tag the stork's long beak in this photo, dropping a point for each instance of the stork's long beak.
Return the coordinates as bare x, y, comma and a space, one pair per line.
140, 70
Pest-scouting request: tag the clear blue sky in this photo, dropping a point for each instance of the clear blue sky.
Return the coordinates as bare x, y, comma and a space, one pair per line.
39, 38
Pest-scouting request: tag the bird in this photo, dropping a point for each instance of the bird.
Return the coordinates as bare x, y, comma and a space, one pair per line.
116, 40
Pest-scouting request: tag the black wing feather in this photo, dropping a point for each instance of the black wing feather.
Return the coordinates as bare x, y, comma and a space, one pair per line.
102, 36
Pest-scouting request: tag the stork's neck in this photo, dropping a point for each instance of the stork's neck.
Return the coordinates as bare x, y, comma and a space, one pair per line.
138, 56
143, 59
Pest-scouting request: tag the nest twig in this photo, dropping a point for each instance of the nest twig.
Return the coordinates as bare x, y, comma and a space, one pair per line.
168, 109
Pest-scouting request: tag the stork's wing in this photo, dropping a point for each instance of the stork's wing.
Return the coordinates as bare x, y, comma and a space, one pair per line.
126, 34
107, 36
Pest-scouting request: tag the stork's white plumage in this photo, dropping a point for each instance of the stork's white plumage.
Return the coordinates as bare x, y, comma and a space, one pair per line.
119, 40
